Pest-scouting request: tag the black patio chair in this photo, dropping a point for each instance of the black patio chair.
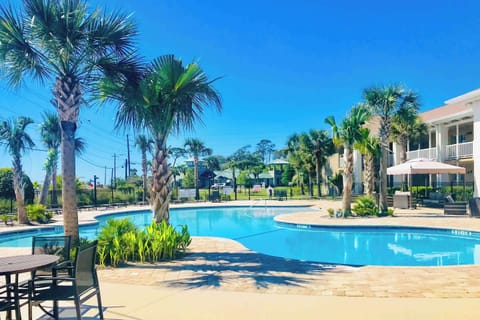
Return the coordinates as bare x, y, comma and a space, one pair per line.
8, 299
56, 245
79, 287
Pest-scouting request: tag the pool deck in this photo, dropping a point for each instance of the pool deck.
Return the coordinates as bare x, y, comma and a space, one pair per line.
219, 279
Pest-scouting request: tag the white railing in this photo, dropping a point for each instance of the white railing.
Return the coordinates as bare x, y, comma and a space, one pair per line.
460, 150
430, 153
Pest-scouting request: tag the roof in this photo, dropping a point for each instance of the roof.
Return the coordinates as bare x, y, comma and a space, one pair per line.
446, 112
466, 98
265, 175
279, 161
227, 173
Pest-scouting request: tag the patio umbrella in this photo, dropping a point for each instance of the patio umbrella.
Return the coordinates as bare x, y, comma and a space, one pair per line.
424, 166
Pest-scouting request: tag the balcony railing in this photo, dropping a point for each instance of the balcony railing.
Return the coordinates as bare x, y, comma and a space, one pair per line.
458, 151
430, 153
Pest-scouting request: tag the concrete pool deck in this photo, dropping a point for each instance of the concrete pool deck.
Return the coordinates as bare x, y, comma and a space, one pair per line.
221, 279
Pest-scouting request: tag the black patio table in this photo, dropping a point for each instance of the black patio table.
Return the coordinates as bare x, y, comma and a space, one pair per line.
14, 265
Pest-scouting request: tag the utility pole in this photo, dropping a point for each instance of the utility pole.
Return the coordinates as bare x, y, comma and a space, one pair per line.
105, 177
111, 184
126, 169
114, 169
128, 159
95, 178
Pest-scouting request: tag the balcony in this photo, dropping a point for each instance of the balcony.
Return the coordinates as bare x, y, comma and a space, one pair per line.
459, 151
430, 153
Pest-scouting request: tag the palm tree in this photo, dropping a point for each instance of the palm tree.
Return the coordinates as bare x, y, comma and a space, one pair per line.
51, 135
294, 158
145, 145
322, 147
167, 98
384, 102
62, 42
196, 148
369, 147
407, 127
347, 134
307, 159
16, 140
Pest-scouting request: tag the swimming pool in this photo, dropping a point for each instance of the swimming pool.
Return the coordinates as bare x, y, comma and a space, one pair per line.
255, 228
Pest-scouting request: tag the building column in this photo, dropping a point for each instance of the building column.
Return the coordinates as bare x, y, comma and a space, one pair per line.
476, 148
357, 172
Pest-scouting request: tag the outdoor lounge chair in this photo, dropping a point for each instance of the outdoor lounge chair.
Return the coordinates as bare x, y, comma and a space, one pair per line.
79, 287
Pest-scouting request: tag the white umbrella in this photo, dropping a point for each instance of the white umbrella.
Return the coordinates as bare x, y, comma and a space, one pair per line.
424, 166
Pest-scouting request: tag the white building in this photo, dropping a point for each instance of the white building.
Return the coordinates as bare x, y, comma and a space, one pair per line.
451, 139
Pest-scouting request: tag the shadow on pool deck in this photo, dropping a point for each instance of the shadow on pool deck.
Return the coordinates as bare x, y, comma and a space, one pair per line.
225, 269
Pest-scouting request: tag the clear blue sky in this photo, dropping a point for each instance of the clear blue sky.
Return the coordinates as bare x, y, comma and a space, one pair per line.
286, 65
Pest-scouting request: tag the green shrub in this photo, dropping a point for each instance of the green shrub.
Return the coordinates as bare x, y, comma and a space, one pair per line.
120, 241
365, 206
331, 212
37, 212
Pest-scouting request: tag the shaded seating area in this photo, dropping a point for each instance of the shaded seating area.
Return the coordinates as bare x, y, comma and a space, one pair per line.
425, 166
434, 199
79, 286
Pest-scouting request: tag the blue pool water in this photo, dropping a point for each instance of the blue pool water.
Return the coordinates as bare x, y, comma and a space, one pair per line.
256, 229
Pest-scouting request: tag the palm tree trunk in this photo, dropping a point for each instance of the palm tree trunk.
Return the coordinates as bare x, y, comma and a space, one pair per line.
195, 174
369, 177
68, 98
144, 171
310, 185
45, 187
347, 180
383, 180
54, 201
69, 191
19, 190
318, 173
161, 179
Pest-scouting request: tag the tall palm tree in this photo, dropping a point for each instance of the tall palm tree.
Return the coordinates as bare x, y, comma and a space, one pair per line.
294, 157
322, 147
62, 42
196, 148
51, 135
167, 98
369, 147
145, 145
384, 102
16, 140
307, 159
347, 134
407, 126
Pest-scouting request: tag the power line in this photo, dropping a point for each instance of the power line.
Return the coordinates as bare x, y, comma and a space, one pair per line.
94, 164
